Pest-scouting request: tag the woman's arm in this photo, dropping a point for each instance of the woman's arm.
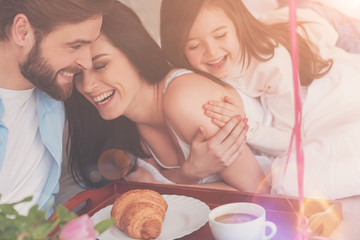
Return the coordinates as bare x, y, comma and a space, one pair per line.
143, 175
183, 104
210, 155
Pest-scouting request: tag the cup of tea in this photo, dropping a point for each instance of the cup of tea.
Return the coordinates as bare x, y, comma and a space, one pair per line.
240, 221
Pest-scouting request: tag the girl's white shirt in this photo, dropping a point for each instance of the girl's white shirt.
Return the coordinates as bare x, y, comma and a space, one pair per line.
270, 82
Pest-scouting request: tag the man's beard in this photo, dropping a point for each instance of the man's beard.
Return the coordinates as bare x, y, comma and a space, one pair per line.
43, 76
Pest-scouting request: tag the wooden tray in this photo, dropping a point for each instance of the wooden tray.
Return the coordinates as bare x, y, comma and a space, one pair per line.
280, 210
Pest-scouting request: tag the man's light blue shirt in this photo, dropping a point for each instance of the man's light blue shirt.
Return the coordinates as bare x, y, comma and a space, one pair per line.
51, 117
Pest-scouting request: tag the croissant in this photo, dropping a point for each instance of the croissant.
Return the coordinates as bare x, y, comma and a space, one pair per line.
140, 213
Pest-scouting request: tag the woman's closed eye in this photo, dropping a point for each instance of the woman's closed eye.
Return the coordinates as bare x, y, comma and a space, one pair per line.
193, 46
99, 66
219, 36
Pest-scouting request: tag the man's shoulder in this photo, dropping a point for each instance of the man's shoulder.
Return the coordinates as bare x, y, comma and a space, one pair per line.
46, 103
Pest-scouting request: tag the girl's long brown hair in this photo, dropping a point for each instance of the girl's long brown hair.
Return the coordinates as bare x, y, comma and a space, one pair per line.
257, 39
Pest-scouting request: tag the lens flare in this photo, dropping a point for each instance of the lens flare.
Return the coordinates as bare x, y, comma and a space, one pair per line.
113, 164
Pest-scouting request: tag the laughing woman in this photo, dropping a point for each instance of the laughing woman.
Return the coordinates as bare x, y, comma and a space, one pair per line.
155, 113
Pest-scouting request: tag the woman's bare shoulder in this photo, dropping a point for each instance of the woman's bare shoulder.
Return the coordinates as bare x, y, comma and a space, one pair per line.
184, 100
191, 85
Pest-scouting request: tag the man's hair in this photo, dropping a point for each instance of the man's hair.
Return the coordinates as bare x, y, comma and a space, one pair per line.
46, 15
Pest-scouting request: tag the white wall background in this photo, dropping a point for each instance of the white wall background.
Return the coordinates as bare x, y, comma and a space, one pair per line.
148, 10
349, 7
149, 13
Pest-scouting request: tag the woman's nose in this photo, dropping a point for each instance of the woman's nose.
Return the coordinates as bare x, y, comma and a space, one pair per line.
88, 82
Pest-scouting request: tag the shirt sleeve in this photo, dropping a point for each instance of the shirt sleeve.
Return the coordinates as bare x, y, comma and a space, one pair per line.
268, 139
273, 82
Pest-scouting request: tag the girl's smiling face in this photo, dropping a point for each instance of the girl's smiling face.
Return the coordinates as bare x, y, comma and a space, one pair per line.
212, 45
113, 83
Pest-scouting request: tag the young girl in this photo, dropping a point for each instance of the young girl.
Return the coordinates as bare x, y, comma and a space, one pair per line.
247, 55
222, 38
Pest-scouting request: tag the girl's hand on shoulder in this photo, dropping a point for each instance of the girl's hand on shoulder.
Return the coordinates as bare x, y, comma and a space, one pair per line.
219, 151
222, 111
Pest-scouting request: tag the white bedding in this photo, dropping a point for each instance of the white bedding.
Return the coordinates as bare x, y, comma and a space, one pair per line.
331, 135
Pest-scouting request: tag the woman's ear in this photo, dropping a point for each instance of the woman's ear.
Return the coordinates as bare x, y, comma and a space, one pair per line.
21, 31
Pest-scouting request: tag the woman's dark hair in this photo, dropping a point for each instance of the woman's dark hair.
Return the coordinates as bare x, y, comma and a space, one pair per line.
258, 40
89, 134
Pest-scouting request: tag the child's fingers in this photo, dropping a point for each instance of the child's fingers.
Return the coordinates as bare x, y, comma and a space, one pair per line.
221, 108
217, 116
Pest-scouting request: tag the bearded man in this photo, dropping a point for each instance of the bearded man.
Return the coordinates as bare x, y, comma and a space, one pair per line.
43, 45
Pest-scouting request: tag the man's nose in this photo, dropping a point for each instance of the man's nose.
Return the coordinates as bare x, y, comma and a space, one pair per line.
83, 60
89, 82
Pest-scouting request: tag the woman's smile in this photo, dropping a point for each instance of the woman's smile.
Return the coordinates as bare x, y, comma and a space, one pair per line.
104, 98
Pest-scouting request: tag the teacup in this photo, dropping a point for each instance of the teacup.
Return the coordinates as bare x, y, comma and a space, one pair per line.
240, 221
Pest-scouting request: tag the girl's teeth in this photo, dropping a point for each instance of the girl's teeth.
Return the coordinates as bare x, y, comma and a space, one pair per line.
217, 61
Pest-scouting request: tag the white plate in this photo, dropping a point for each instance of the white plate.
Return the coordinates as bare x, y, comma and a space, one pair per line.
184, 216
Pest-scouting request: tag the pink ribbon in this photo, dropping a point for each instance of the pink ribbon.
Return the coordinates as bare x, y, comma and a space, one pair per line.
296, 134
